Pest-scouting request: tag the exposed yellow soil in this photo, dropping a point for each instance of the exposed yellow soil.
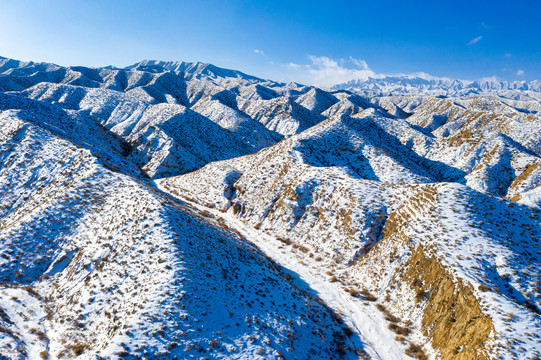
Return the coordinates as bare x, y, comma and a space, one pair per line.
452, 316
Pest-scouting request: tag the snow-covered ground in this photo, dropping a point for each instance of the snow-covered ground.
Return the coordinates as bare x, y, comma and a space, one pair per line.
359, 315
172, 209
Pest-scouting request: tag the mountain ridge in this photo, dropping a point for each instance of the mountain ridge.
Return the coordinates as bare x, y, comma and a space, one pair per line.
180, 210
412, 84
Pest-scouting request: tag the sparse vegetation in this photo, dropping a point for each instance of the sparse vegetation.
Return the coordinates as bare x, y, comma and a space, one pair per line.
115, 207
416, 352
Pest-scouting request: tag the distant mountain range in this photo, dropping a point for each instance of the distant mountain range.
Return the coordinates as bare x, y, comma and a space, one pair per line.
401, 85
172, 210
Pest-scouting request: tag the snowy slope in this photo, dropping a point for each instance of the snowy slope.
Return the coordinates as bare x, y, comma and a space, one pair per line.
358, 231
180, 210
101, 263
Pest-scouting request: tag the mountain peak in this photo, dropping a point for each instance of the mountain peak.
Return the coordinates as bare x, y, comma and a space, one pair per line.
192, 69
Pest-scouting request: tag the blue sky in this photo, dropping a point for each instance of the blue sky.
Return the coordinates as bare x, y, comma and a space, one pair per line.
313, 42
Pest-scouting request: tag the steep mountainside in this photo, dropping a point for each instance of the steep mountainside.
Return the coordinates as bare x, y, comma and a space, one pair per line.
180, 210
97, 262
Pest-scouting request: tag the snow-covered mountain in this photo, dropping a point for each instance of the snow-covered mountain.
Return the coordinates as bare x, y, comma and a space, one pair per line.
180, 210
426, 85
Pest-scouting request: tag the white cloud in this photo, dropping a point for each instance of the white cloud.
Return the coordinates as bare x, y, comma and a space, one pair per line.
293, 66
520, 72
492, 78
475, 40
360, 63
325, 71
259, 52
